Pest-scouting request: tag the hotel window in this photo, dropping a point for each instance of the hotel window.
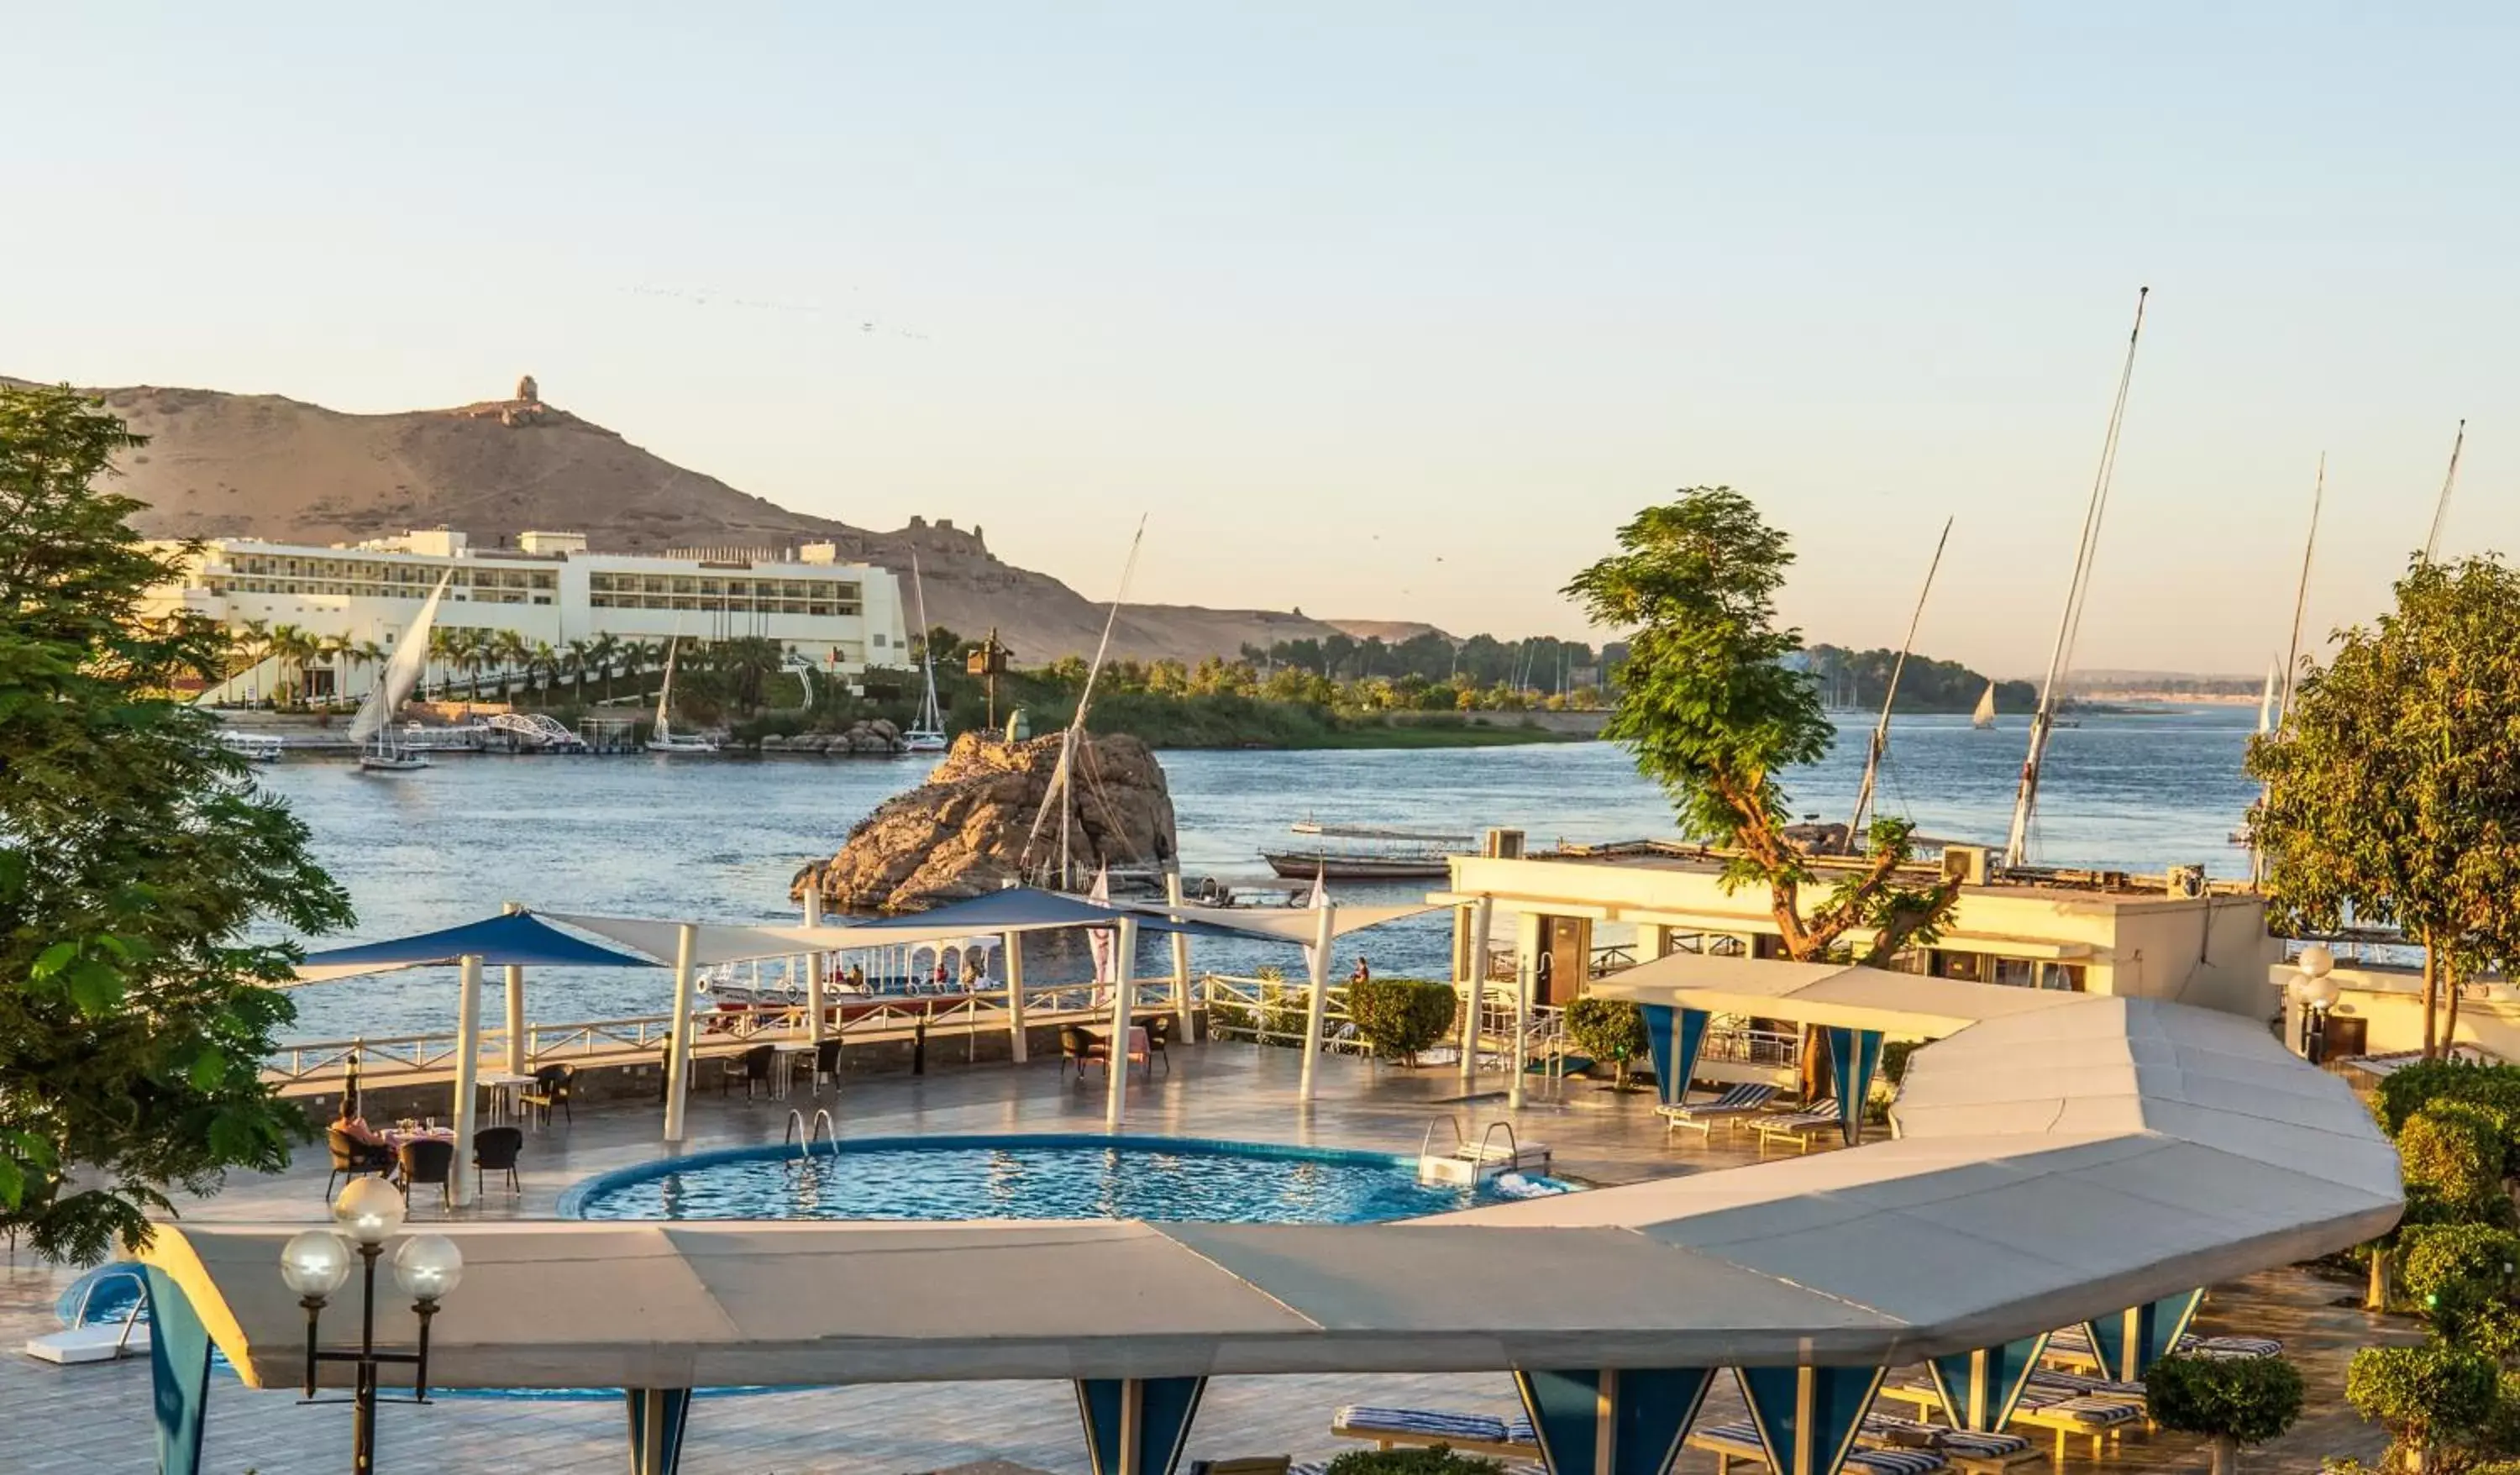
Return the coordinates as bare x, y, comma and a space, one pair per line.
2014, 973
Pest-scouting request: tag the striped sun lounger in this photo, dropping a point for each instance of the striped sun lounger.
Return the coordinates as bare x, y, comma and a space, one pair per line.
1731, 1107
1739, 1441
1799, 1127
2071, 1347
1962, 1449
2098, 1416
1388, 1428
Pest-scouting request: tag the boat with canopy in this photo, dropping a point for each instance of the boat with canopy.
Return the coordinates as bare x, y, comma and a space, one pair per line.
1367, 853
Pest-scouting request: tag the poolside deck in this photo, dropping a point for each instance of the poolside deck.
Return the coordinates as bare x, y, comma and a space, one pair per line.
97, 1417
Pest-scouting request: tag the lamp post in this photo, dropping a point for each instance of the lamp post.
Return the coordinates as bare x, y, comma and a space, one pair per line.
2317, 993
316, 1264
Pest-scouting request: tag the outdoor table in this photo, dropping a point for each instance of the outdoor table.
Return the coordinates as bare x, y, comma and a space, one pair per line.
398, 1135
790, 1052
505, 1094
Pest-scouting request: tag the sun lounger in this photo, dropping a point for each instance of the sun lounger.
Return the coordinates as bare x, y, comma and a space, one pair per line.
2085, 1385
1799, 1127
2099, 1416
1961, 1449
1739, 1441
1731, 1107
1388, 1428
2070, 1347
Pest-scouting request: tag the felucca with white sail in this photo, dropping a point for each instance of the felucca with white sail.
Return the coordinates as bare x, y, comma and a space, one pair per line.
664, 740
927, 733
380, 748
1982, 719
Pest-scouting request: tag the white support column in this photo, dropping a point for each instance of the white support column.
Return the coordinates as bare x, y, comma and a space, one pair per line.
1526, 962
468, 1073
1124, 997
1019, 1048
1317, 1005
816, 964
678, 1061
1653, 940
1482, 919
1181, 963
518, 1063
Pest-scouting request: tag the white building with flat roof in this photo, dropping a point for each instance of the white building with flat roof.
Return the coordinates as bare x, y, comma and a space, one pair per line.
550, 590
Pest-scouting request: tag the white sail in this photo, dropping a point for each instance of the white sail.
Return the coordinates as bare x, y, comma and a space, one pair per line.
2266, 702
665, 693
1984, 716
928, 732
401, 673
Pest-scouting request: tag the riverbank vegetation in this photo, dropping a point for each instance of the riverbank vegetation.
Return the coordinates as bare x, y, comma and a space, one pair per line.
1862, 678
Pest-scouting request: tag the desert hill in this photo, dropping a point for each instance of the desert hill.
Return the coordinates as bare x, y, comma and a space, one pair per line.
262, 465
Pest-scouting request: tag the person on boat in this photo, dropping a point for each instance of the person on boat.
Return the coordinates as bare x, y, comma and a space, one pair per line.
972, 978
1360, 973
856, 977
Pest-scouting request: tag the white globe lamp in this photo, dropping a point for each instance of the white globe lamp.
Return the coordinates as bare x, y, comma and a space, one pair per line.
2315, 960
429, 1266
315, 1264
369, 1210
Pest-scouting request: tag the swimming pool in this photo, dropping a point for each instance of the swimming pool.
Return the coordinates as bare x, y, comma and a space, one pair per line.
1035, 1176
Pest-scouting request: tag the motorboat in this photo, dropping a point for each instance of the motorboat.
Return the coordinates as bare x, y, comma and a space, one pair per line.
1367, 853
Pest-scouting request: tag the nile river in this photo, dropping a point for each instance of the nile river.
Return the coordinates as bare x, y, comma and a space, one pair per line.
718, 838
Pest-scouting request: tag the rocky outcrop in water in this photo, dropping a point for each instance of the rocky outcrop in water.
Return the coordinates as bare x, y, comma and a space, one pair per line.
964, 832
873, 736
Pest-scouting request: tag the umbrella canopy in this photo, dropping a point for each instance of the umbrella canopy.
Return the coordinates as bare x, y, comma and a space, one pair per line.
1028, 909
514, 940
1283, 923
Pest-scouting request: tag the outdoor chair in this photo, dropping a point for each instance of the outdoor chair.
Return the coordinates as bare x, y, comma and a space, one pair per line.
1741, 1441
1160, 1032
1079, 1049
352, 1157
428, 1160
1800, 1128
826, 1066
494, 1150
553, 1085
1967, 1450
753, 1068
1731, 1107
1388, 1428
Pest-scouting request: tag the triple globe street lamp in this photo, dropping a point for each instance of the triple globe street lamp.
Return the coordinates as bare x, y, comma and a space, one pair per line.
316, 1264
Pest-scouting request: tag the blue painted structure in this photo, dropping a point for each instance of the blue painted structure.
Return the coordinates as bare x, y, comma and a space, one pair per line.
1137, 1426
1807, 1417
1854, 1055
179, 1374
2129, 1342
1980, 1389
1612, 1421
1674, 1037
658, 1419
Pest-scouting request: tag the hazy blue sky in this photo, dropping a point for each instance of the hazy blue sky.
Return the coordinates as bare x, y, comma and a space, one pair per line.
1339, 291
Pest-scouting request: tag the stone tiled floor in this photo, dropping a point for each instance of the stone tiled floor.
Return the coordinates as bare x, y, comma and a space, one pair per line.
96, 1418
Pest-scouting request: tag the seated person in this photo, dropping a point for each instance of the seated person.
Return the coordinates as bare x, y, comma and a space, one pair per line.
367, 1143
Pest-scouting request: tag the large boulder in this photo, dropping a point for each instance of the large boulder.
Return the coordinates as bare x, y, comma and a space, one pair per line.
968, 830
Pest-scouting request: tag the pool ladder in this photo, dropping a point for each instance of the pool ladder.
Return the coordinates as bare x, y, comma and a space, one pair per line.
804, 1135
1470, 1165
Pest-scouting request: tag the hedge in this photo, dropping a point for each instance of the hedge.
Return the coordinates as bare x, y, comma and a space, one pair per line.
2455, 1151
2247, 1399
1401, 1017
1435, 1459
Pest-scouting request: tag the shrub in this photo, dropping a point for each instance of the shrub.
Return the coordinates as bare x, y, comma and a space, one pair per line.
2426, 1395
2460, 1273
1894, 1058
2455, 1152
1401, 1017
2237, 1401
1435, 1459
2410, 1089
1608, 1029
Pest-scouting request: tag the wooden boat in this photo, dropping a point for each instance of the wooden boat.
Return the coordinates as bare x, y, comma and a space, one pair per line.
1367, 853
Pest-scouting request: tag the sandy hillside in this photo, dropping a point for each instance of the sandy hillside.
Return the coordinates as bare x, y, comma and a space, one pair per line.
258, 464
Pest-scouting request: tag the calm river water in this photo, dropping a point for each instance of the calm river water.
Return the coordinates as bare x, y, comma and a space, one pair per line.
717, 839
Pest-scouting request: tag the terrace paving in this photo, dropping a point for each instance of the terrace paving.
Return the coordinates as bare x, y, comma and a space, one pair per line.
96, 1418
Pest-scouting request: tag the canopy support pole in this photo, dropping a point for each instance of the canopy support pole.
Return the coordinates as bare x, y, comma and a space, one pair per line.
678, 1061
1019, 1049
1612, 1421
1124, 991
468, 1074
1180, 961
1474, 996
2128, 1343
1137, 1426
1317, 1006
1807, 1417
815, 964
1673, 1036
1526, 958
519, 1061
1980, 1389
658, 1419
1854, 1055
179, 1372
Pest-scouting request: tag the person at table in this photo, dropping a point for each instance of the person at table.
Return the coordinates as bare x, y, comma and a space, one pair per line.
355, 1126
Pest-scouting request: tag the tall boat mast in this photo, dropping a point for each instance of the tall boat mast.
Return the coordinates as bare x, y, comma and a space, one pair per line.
1881, 730
2292, 652
2441, 507
2016, 843
1062, 777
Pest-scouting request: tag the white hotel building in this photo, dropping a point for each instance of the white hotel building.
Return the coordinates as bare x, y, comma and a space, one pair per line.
548, 589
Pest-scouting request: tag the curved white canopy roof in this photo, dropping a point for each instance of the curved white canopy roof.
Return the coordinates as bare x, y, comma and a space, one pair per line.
2053, 1164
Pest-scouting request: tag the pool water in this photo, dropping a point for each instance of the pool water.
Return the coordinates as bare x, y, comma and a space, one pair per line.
1061, 1177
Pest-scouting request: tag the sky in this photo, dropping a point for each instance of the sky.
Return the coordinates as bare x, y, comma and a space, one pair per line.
1380, 310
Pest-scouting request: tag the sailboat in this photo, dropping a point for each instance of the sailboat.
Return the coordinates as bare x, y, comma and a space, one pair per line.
664, 740
927, 733
1982, 719
381, 744
2267, 703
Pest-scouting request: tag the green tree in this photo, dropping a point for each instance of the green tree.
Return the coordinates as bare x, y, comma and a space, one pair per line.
2233, 1402
1401, 1017
1713, 715
1611, 1030
134, 856
2428, 1396
2389, 787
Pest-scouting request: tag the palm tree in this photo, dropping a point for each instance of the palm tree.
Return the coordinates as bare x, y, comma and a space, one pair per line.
334, 649
542, 666
446, 648
606, 651
508, 650
366, 655
574, 657
293, 648
253, 641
